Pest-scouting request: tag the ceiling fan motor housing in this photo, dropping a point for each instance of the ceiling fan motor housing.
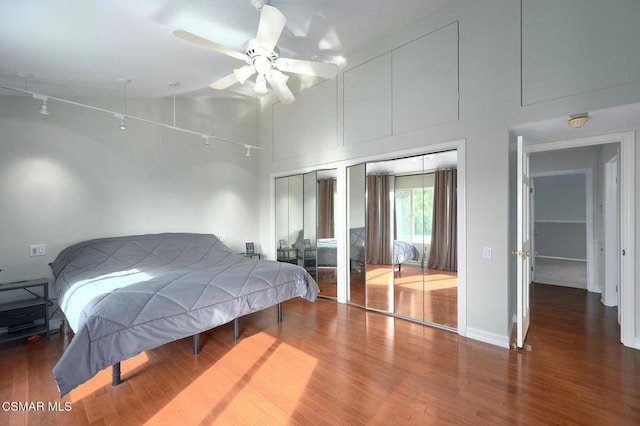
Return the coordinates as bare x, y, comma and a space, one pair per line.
255, 51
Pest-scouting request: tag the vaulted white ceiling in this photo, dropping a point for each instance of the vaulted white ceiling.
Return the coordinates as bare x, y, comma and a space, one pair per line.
81, 48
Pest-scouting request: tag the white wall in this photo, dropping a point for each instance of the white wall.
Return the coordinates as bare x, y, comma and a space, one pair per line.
73, 175
484, 51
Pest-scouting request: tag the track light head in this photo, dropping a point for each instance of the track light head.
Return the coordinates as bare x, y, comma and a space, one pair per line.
248, 153
123, 125
43, 109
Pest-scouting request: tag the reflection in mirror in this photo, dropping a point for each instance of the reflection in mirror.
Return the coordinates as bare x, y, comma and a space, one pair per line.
440, 273
414, 197
356, 225
289, 217
327, 244
380, 237
412, 250
306, 246
282, 218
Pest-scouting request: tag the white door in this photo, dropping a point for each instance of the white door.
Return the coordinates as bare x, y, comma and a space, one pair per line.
611, 235
523, 251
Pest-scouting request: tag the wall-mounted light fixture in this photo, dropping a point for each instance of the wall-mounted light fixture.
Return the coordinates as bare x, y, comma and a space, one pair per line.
578, 120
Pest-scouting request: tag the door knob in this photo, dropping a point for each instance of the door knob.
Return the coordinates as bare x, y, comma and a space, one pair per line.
525, 253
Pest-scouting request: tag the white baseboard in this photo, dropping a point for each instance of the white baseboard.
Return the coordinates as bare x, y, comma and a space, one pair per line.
486, 337
636, 343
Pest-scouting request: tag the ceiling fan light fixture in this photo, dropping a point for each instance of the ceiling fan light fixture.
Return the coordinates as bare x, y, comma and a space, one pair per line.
261, 84
262, 64
242, 74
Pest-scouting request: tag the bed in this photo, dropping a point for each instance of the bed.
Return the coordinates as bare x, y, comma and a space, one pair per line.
125, 295
327, 247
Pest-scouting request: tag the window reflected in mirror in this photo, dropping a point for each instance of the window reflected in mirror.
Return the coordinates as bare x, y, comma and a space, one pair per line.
356, 218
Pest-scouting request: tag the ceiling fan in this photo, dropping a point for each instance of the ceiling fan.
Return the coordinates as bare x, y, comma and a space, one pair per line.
262, 57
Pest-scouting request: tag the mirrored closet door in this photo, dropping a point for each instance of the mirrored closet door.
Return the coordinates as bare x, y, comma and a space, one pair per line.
305, 225
356, 246
408, 208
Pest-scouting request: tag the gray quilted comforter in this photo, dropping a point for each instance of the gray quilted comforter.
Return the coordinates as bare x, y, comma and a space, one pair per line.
125, 295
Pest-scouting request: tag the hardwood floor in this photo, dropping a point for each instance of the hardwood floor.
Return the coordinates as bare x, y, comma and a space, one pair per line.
329, 363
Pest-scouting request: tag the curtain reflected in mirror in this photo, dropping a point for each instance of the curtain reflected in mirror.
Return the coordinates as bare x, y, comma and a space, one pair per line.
356, 247
327, 244
306, 242
381, 231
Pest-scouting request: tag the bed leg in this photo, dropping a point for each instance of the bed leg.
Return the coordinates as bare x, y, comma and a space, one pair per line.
115, 374
235, 329
196, 344
279, 312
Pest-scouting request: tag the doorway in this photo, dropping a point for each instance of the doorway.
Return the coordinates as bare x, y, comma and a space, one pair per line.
562, 242
625, 244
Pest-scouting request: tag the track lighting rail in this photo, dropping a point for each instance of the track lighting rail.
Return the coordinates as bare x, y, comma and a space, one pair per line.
116, 114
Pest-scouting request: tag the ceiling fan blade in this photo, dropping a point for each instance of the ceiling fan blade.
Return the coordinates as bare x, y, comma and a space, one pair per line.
271, 24
298, 66
280, 87
224, 82
192, 38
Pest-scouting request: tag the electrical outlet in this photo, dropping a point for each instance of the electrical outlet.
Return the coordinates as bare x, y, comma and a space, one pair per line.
37, 250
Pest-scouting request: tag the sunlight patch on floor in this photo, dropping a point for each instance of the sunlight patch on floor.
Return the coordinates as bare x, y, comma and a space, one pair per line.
251, 383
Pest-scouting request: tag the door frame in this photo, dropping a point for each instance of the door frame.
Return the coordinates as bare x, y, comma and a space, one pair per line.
627, 219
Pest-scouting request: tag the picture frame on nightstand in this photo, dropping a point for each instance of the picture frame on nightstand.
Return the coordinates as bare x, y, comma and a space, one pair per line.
250, 249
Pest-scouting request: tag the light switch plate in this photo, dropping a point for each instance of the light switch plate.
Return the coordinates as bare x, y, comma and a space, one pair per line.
486, 252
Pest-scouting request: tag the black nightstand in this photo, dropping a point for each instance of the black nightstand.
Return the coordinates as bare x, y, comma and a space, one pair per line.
251, 255
287, 255
20, 316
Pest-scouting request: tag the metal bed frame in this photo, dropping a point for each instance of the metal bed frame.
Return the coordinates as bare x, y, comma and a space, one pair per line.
115, 369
